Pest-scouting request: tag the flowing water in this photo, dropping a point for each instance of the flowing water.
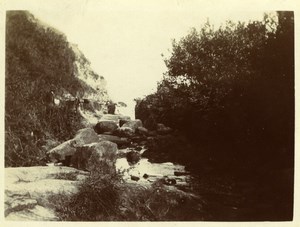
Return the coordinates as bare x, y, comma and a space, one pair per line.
146, 172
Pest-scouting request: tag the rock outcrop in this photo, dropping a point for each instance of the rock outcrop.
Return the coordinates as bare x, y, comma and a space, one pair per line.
28, 190
68, 148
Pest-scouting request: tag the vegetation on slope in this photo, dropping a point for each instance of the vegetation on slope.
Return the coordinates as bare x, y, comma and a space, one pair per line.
39, 60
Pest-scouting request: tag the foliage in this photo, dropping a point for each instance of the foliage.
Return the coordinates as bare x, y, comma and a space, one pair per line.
104, 197
231, 90
38, 60
160, 203
97, 199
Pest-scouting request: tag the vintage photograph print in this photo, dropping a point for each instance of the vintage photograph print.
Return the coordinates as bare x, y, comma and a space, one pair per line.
139, 113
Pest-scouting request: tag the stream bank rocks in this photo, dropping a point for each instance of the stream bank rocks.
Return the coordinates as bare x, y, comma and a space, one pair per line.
28, 190
115, 144
127, 139
93, 156
105, 127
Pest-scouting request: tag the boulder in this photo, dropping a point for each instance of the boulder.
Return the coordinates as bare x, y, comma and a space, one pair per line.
134, 178
107, 133
137, 139
110, 117
142, 131
169, 181
183, 173
134, 124
152, 133
85, 136
65, 150
134, 174
124, 118
115, 139
96, 155
105, 126
125, 131
114, 117
133, 157
37, 213
122, 122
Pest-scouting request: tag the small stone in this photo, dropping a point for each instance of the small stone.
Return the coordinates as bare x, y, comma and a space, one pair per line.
169, 181
177, 173
133, 157
135, 178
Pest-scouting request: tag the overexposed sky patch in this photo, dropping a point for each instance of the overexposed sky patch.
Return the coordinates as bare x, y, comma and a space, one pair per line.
124, 40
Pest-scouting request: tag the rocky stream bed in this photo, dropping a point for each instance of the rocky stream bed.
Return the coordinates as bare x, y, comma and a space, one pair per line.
123, 144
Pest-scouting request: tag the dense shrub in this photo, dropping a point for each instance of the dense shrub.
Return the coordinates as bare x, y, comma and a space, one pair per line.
231, 91
104, 197
160, 203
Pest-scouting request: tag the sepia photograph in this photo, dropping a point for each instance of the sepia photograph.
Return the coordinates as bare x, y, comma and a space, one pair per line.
148, 111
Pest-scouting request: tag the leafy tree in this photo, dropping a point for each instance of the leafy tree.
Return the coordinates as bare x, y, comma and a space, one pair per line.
231, 91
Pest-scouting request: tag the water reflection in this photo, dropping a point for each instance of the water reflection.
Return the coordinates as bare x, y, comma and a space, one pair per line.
145, 172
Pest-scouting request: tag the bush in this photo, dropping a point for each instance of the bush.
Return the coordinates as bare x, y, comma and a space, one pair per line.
160, 203
107, 199
98, 197
103, 196
231, 91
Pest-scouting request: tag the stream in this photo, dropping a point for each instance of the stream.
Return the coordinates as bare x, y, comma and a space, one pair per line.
146, 172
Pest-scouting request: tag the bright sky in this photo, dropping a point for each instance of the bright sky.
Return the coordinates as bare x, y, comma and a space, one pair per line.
124, 40
125, 44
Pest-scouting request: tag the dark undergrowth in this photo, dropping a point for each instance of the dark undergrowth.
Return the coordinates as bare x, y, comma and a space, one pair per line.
105, 197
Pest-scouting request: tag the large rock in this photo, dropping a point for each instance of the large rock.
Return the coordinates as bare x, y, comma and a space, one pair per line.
133, 157
96, 155
114, 117
115, 139
86, 136
68, 148
110, 117
125, 132
105, 126
143, 131
133, 124
28, 190
122, 122
63, 150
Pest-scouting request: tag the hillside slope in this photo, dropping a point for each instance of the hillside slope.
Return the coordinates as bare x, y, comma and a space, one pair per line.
43, 67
